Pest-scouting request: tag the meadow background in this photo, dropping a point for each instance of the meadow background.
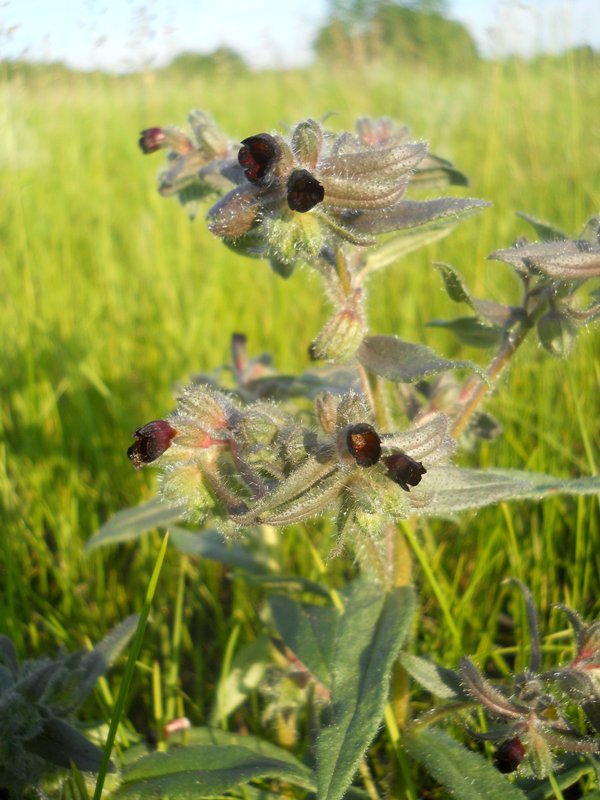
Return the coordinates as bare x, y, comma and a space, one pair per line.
111, 298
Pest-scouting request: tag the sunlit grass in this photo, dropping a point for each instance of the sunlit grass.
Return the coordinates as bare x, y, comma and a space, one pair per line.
111, 297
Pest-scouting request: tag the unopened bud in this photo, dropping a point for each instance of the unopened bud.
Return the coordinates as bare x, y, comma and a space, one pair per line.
152, 139
152, 440
404, 470
342, 334
509, 755
303, 191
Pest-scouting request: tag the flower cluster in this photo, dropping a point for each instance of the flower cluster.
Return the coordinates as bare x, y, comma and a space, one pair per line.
295, 198
537, 713
256, 463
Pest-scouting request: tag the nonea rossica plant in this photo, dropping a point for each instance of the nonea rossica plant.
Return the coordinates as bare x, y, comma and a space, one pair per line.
367, 439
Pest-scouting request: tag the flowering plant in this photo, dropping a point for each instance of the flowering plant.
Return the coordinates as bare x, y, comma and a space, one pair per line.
367, 439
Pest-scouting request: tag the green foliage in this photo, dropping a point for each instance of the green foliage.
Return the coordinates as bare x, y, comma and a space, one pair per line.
38, 700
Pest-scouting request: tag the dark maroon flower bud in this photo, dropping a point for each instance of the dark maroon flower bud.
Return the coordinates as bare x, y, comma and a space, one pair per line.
404, 470
303, 191
152, 139
152, 440
509, 755
257, 156
364, 444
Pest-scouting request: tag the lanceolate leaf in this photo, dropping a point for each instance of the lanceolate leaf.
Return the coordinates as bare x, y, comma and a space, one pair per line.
466, 775
546, 231
440, 681
309, 632
451, 489
370, 634
205, 771
212, 545
60, 743
404, 362
454, 283
132, 523
470, 331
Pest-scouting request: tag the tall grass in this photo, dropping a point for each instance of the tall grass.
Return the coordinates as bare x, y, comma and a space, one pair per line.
111, 297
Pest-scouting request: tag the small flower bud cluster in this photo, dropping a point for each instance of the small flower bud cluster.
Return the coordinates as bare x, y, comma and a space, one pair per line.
532, 717
291, 199
255, 463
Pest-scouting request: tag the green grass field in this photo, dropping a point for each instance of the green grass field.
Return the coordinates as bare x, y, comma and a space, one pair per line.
111, 298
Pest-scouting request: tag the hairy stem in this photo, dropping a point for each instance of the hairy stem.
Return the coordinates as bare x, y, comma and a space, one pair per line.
477, 389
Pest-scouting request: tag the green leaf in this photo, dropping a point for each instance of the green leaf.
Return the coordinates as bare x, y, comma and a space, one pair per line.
59, 743
449, 489
370, 633
545, 231
211, 544
131, 523
454, 284
308, 630
400, 245
466, 775
205, 771
561, 261
556, 333
470, 331
246, 673
440, 681
287, 583
113, 643
405, 362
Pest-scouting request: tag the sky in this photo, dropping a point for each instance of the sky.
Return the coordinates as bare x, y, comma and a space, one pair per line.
120, 35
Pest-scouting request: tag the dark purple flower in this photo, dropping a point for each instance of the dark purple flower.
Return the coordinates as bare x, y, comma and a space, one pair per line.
509, 755
364, 444
404, 470
152, 440
303, 191
257, 156
152, 139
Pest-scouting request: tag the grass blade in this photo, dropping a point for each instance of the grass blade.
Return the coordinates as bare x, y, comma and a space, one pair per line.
129, 669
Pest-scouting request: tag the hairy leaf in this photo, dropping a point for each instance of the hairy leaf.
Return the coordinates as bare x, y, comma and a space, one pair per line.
370, 634
212, 545
470, 331
449, 489
466, 775
546, 231
404, 362
59, 743
308, 630
131, 523
205, 771
440, 681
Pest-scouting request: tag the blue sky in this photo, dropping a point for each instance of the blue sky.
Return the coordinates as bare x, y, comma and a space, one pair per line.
124, 34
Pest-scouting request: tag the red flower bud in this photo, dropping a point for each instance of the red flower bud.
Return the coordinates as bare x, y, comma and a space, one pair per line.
257, 156
364, 444
152, 139
509, 755
303, 191
152, 440
404, 470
